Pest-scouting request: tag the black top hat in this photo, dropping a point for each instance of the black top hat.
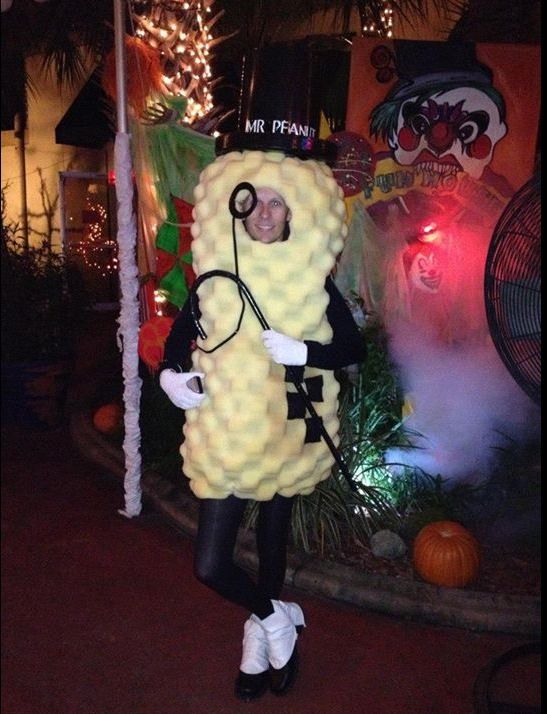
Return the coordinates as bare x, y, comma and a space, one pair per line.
279, 105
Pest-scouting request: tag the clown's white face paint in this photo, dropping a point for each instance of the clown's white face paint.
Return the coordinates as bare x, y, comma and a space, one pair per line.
452, 131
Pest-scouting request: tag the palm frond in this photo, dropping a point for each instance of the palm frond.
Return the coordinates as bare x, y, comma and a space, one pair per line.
66, 62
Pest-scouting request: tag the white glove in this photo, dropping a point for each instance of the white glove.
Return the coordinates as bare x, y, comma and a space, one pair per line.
284, 349
175, 385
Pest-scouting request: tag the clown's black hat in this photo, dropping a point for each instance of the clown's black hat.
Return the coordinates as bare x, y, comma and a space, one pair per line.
279, 105
423, 65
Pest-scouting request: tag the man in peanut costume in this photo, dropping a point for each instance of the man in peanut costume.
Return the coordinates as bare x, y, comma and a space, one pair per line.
248, 434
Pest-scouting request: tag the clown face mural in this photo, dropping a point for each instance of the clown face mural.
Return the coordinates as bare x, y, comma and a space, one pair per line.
448, 132
443, 115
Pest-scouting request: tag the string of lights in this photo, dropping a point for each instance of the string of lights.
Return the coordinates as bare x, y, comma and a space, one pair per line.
377, 20
181, 31
97, 250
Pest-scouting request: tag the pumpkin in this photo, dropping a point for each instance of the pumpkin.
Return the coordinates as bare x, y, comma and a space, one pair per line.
108, 419
446, 553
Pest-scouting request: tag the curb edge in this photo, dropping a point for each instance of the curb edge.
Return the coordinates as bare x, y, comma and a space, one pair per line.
474, 610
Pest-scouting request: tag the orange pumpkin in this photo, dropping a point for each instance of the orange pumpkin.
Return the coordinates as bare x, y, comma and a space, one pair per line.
446, 553
108, 419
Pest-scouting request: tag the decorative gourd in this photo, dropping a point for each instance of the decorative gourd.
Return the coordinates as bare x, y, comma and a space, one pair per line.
445, 553
108, 419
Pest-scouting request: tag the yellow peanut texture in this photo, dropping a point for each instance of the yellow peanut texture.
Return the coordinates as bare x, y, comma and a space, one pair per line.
239, 441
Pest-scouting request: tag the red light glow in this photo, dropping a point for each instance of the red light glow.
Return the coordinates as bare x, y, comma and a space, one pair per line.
428, 232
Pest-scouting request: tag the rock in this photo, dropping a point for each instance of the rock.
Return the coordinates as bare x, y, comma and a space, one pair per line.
387, 544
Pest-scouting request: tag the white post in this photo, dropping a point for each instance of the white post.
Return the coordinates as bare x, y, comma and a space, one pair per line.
128, 331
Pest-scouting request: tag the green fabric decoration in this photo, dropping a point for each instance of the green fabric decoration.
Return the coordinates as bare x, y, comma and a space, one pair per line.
177, 103
168, 235
178, 155
173, 285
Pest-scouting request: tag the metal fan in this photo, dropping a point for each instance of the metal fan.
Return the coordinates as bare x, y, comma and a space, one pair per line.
512, 287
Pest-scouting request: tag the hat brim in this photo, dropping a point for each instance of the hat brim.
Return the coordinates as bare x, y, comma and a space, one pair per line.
301, 147
439, 81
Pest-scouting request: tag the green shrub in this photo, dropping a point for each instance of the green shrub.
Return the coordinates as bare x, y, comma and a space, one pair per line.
43, 298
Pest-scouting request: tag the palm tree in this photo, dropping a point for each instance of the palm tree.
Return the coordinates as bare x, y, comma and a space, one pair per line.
510, 21
70, 36
64, 33
67, 34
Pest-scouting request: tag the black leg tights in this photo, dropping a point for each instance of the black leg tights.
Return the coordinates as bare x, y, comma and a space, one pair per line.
219, 521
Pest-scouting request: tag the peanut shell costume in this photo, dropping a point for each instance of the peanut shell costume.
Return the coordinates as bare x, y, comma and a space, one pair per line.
240, 440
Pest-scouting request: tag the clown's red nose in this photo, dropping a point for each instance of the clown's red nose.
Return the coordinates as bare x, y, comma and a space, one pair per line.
441, 136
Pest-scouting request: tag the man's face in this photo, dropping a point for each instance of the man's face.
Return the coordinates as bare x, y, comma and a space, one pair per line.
267, 222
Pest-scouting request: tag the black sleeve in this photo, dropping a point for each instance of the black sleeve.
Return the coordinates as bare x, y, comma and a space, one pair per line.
348, 344
178, 344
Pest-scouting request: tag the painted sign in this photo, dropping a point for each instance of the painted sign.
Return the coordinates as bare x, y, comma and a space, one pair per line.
449, 132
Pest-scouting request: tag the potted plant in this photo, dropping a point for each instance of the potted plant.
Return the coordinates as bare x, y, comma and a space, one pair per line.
42, 304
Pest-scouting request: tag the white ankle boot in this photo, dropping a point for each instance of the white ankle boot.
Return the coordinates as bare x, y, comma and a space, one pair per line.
280, 631
252, 678
254, 659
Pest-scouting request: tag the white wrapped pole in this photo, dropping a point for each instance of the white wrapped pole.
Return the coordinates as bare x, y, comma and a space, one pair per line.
128, 331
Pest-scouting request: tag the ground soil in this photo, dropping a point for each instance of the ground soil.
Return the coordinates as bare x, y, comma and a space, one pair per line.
506, 569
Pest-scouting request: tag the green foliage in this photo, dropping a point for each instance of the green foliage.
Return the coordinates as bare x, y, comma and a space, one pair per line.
161, 430
370, 411
421, 498
512, 490
42, 299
